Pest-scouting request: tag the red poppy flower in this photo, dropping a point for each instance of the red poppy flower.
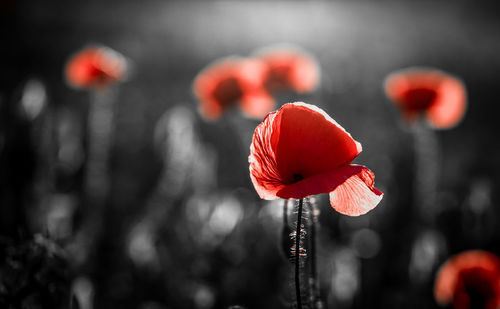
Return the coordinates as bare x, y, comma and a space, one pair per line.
232, 81
436, 95
300, 151
95, 68
289, 68
469, 280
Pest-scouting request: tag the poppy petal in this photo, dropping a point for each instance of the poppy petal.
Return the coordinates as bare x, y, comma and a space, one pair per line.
289, 67
257, 104
319, 183
310, 142
230, 81
398, 84
450, 106
351, 188
252, 72
81, 70
95, 67
439, 96
306, 75
300, 151
357, 194
218, 86
263, 166
297, 142
448, 276
112, 63
210, 110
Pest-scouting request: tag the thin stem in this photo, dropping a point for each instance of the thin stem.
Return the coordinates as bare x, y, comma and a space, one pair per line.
297, 255
313, 252
285, 213
427, 171
287, 241
97, 175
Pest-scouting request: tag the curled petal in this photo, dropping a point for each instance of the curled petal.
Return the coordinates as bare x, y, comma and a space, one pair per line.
322, 183
357, 194
351, 188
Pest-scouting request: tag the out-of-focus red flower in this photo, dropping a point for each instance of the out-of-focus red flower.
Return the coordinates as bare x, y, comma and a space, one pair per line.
232, 81
289, 68
436, 95
470, 279
300, 151
95, 68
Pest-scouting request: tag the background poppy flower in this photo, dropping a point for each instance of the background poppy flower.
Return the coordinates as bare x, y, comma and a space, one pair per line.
438, 96
300, 151
289, 68
95, 67
469, 280
231, 81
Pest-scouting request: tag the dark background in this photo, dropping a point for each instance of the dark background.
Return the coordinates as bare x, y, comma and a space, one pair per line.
188, 231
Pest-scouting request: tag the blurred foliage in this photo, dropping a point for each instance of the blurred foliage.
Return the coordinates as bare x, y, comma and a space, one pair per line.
34, 274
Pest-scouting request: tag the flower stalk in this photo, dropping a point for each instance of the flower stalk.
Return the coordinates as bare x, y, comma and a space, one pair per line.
297, 254
427, 171
313, 281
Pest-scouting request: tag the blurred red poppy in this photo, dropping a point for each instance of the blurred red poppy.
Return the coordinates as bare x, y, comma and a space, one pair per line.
470, 279
436, 95
95, 68
300, 151
232, 81
289, 68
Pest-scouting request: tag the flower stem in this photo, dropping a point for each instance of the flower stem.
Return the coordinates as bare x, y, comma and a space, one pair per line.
297, 255
97, 175
285, 213
314, 281
427, 172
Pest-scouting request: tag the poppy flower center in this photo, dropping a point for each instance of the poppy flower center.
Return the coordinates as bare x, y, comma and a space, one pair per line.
297, 177
95, 74
419, 98
228, 91
277, 78
479, 285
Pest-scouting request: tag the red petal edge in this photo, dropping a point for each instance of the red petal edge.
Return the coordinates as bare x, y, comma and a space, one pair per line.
263, 168
357, 194
351, 188
450, 107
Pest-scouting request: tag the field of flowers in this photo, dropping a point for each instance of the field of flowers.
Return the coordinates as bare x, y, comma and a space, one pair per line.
238, 154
